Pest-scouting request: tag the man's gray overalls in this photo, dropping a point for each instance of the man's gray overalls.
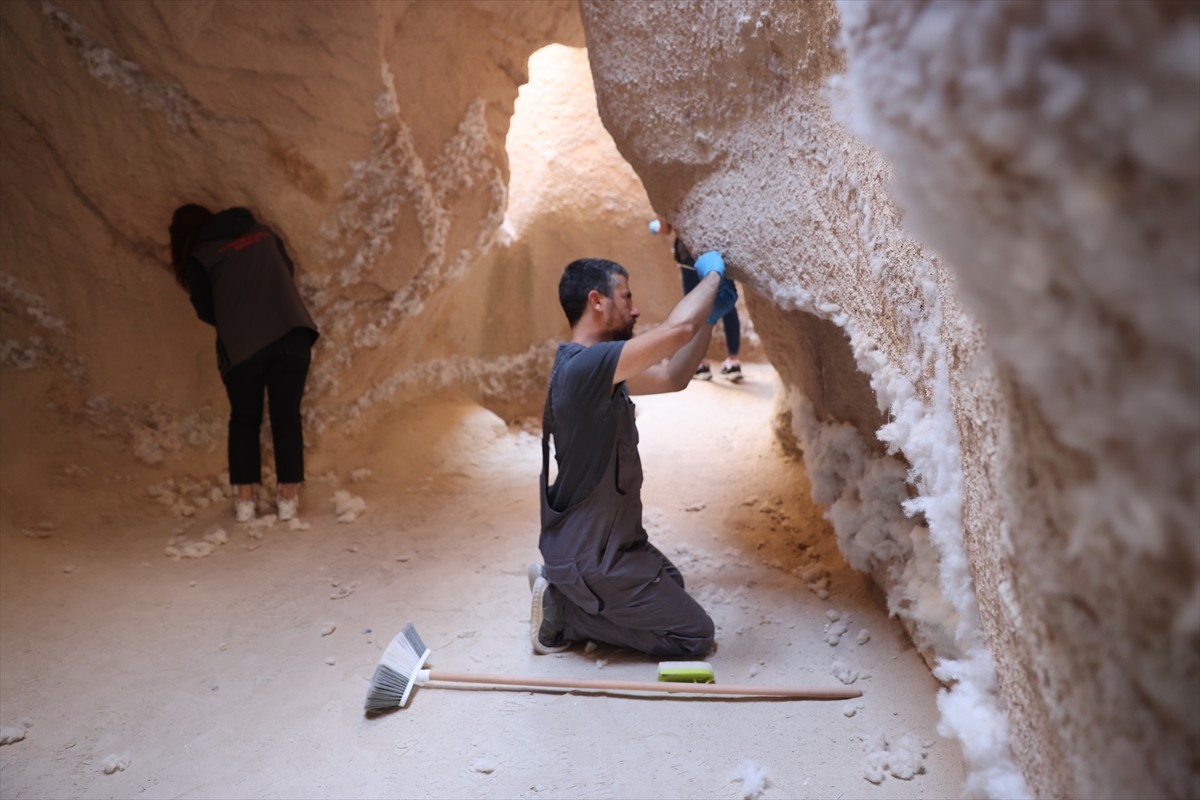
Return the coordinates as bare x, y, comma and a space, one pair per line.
611, 584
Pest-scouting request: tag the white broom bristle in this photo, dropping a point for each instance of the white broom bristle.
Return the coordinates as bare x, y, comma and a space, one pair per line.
414, 639
395, 670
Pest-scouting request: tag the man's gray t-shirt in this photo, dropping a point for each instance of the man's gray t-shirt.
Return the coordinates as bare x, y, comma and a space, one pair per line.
583, 418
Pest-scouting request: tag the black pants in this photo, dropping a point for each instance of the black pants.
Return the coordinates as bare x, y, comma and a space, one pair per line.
280, 369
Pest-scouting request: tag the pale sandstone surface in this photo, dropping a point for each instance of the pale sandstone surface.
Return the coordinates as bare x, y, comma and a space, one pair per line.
1045, 155
1036, 393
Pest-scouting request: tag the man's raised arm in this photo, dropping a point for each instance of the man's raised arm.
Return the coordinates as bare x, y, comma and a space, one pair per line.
682, 338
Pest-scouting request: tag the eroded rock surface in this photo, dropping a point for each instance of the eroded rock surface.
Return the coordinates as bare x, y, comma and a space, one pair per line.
1031, 324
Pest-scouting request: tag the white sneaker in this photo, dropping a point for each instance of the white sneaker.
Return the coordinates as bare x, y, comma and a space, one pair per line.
537, 614
243, 509
287, 508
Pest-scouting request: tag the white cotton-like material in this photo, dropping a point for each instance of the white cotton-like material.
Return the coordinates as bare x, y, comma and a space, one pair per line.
484, 765
906, 757
834, 632
181, 495
918, 597
970, 715
753, 778
115, 763
868, 501
816, 577
843, 671
875, 766
328, 628
10, 734
863, 496
902, 757
347, 507
189, 549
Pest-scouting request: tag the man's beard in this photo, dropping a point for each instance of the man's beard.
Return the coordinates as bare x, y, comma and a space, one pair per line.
622, 334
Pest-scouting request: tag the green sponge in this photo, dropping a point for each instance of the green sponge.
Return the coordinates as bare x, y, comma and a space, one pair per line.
686, 672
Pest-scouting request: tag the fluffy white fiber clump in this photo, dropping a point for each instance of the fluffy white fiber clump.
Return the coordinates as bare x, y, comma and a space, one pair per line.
753, 779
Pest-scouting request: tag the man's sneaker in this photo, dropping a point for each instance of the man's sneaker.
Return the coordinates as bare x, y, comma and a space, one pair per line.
243, 510
732, 372
537, 615
287, 508
702, 373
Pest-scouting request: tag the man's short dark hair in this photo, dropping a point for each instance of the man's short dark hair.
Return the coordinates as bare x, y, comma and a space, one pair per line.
582, 276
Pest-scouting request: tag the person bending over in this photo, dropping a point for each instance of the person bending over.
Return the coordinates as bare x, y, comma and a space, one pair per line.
241, 281
602, 579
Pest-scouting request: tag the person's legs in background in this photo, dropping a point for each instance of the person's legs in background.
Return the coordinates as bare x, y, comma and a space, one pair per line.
690, 281
732, 368
286, 373
244, 385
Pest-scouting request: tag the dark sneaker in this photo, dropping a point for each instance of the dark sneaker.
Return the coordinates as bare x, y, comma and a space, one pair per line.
702, 373
732, 373
542, 631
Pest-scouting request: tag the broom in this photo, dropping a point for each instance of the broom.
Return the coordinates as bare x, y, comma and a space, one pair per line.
401, 669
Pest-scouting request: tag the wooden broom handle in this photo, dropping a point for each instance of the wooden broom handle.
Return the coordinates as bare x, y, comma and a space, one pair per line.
805, 693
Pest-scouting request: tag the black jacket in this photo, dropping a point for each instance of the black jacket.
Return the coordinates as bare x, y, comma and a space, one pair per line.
241, 281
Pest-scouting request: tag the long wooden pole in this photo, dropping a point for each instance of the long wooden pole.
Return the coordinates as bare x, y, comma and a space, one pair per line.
794, 692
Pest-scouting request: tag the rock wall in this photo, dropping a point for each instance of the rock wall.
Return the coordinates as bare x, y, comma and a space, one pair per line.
993, 382
361, 130
1028, 318
1052, 155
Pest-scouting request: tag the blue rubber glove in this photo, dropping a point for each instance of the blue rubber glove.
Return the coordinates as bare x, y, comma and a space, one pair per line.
710, 262
655, 226
726, 299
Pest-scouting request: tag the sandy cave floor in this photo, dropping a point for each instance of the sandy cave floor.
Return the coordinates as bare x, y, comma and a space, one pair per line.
213, 679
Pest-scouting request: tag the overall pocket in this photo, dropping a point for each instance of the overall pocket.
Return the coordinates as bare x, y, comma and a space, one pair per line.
566, 578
